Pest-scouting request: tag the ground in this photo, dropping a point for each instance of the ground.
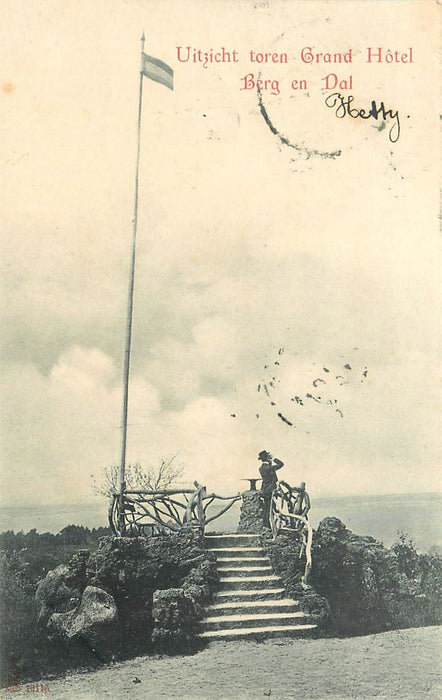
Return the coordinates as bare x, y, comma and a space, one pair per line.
401, 664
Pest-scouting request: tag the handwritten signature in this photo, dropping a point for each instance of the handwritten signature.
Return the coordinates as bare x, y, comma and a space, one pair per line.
343, 108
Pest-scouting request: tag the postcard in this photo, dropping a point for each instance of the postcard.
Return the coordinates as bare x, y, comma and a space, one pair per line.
263, 177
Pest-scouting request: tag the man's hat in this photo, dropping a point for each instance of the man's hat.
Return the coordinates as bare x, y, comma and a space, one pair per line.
263, 455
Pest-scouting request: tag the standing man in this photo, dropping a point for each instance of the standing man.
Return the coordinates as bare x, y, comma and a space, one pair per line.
268, 470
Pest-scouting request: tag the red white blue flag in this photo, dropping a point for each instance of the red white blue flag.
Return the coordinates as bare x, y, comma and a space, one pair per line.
157, 70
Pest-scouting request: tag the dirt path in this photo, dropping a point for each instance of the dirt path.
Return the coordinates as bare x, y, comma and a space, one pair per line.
402, 664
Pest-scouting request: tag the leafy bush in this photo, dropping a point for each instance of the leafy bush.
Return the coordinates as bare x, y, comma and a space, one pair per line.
26, 651
407, 556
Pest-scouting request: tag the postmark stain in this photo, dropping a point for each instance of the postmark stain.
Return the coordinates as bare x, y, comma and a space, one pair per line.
309, 153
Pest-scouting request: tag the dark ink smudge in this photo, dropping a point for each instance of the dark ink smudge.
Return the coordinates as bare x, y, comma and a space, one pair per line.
286, 420
284, 140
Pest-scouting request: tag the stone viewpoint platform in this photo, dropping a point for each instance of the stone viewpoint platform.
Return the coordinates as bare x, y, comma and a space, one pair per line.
251, 601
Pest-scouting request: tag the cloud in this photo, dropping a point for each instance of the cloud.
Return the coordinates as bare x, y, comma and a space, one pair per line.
242, 248
63, 426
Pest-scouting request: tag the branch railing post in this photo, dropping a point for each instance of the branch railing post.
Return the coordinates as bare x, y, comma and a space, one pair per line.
295, 504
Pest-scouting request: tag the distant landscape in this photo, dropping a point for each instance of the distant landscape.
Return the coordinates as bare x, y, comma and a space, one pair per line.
401, 591
381, 516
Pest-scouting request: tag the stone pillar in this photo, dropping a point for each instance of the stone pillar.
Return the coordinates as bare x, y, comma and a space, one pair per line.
251, 518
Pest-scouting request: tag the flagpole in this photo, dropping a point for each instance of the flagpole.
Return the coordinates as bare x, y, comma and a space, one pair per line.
130, 297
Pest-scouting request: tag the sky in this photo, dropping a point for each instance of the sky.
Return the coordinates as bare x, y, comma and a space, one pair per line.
265, 265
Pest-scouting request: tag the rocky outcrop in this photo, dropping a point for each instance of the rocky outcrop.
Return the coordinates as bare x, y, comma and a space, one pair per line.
136, 594
358, 585
177, 611
105, 598
175, 620
371, 588
284, 554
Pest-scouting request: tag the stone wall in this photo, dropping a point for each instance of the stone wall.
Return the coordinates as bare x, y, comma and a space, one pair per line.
251, 519
284, 554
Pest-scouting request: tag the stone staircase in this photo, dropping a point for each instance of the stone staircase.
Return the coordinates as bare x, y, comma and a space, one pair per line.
251, 600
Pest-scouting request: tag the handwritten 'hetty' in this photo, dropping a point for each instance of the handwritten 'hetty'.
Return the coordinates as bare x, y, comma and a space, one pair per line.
343, 107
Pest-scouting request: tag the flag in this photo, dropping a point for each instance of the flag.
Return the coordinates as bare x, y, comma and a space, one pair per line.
157, 70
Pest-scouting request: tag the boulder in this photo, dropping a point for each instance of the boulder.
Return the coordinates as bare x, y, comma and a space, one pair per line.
60, 590
93, 622
315, 606
54, 595
175, 620
97, 610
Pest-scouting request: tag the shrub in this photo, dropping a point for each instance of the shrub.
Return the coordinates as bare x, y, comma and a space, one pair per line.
25, 649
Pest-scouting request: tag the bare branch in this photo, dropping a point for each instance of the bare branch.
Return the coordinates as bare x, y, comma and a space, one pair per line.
138, 477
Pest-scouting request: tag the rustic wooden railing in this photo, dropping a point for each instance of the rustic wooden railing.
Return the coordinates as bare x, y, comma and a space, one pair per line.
289, 509
153, 512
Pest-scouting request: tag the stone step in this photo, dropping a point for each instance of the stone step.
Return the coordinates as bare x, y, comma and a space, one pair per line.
240, 552
224, 622
231, 540
245, 595
250, 602
228, 562
245, 571
258, 632
250, 582
232, 607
